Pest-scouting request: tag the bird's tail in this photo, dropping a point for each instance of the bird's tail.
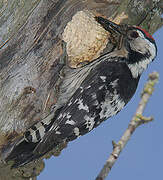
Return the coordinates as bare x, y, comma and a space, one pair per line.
20, 152
24, 149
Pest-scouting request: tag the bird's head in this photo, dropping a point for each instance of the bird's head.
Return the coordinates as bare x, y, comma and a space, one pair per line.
139, 45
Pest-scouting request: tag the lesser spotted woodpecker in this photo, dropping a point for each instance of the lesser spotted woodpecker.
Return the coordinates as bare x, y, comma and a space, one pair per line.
90, 94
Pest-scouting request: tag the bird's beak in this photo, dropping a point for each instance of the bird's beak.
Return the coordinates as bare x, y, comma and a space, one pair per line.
110, 26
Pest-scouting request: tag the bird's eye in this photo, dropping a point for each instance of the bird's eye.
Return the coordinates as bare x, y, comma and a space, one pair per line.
134, 34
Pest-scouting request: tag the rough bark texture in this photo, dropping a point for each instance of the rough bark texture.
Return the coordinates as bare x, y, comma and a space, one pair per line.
31, 34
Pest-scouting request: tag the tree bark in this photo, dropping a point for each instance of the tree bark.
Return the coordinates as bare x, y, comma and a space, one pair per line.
31, 39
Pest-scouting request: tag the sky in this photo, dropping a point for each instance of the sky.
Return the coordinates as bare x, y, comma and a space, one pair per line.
142, 158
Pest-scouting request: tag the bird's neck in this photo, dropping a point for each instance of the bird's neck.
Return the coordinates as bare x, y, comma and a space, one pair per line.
137, 62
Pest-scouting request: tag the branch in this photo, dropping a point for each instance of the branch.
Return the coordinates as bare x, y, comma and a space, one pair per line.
137, 120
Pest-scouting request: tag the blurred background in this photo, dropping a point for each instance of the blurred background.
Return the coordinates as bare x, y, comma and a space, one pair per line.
142, 158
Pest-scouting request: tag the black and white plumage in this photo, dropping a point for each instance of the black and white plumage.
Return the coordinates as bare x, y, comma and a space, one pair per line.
89, 95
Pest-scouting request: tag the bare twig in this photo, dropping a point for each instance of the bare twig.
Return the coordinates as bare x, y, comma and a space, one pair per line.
136, 121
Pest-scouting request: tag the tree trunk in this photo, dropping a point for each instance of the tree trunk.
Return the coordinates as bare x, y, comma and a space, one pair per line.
34, 35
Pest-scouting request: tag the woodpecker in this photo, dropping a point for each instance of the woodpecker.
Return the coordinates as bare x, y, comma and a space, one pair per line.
89, 95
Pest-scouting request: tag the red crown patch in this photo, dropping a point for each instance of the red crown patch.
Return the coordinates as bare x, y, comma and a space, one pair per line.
146, 33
